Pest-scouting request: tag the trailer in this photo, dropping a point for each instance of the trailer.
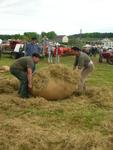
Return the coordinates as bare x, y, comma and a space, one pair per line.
12, 47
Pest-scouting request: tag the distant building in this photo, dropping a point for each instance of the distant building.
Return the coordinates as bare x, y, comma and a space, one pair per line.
107, 43
62, 39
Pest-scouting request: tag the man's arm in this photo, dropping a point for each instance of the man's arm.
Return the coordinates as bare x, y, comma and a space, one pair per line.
29, 76
75, 63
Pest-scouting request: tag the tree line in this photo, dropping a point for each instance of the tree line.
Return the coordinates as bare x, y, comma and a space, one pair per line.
28, 35
93, 35
52, 35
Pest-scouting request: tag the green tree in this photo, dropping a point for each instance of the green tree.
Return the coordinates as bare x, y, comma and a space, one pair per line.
16, 36
76, 42
29, 35
51, 35
43, 34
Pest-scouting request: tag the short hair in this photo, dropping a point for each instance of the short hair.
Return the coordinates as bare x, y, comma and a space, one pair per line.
76, 48
36, 55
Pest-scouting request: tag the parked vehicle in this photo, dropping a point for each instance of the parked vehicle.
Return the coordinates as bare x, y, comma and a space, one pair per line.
63, 51
106, 54
10, 47
18, 51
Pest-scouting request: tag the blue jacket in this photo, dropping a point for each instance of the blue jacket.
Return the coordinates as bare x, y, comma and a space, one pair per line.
31, 48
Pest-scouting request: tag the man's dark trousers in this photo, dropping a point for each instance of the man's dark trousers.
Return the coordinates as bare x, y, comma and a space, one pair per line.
22, 76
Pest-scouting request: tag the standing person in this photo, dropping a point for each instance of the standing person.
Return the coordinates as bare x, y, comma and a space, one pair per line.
84, 63
50, 53
0, 48
101, 50
57, 53
23, 69
45, 45
32, 47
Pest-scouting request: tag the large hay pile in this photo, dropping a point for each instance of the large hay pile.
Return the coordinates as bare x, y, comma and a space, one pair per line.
55, 82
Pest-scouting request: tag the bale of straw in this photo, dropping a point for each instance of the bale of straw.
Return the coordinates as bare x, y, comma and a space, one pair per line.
55, 82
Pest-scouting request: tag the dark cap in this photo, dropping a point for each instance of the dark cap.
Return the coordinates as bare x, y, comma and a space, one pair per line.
34, 38
36, 55
76, 49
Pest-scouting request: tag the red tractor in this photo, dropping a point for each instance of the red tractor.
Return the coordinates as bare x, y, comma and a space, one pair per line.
106, 54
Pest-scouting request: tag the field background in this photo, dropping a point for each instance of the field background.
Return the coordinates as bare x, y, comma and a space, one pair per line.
102, 76
76, 123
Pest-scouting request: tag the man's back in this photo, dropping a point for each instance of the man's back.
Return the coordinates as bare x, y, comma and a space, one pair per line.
83, 60
23, 63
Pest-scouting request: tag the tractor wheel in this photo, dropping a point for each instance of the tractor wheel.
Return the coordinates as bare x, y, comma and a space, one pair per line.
110, 61
14, 55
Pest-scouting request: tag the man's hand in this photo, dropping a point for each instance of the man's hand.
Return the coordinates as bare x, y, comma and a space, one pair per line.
30, 88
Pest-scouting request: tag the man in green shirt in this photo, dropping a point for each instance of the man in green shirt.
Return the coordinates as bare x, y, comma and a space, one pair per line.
83, 63
23, 69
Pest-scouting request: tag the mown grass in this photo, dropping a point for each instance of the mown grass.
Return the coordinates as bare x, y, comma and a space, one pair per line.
76, 123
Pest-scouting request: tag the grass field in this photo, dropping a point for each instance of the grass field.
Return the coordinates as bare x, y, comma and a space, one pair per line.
102, 75
76, 123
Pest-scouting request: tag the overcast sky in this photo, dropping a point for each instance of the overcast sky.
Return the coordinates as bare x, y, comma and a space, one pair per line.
62, 16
